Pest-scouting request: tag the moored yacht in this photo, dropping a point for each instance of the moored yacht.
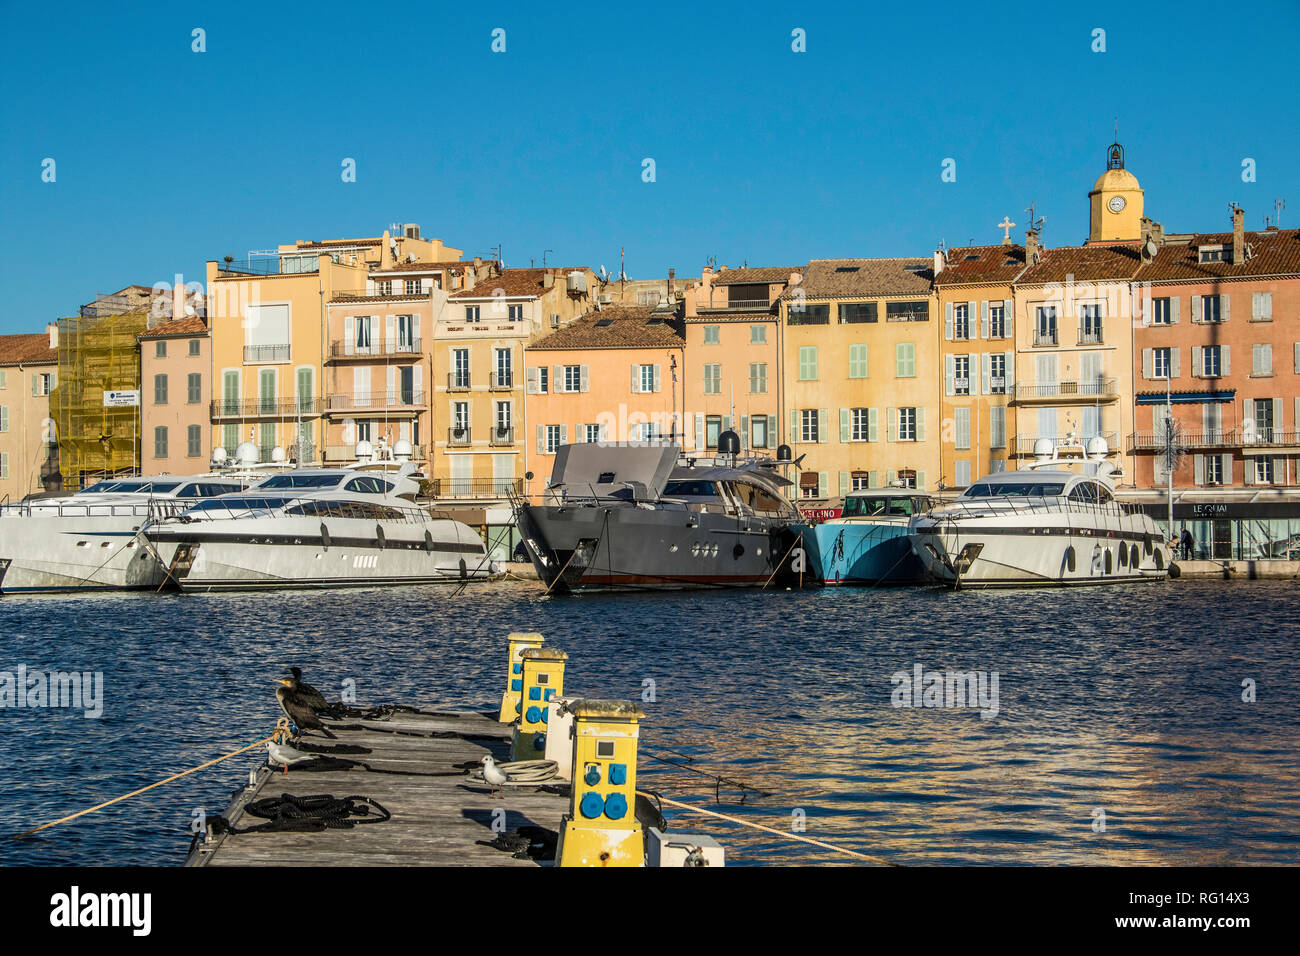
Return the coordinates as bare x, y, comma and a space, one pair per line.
1043, 525
318, 528
90, 540
631, 516
870, 542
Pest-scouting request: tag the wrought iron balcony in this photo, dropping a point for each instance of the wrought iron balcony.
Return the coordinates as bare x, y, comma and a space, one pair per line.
265, 408
1152, 441
458, 381
475, 487
259, 354
346, 349
458, 435
501, 436
1102, 389
393, 398
501, 381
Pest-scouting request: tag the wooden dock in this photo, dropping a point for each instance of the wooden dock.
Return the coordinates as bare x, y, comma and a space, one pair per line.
439, 814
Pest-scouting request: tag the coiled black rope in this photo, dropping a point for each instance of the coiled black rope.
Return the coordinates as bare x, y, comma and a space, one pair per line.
308, 814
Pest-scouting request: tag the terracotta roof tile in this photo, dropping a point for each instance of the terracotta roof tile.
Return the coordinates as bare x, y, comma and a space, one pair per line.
1086, 263
190, 325
768, 274
27, 349
1270, 253
453, 265
618, 327
855, 278
980, 264
517, 283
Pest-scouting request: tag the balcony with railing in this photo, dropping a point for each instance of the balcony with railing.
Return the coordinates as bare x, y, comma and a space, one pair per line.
737, 305
1072, 444
1269, 437
349, 349
501, 381
458, 381
1097, 390
264, 408
265, 354
338, 453
393, 398
458, 435
501, 436
1192, 441
475, 487
1090, 335
1046, 338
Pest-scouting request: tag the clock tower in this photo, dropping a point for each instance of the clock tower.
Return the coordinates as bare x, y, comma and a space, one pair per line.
1116, 202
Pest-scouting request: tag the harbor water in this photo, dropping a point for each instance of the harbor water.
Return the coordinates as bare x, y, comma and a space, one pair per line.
1149, 724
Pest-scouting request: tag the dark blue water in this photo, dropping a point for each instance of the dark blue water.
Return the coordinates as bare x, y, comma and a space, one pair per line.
1127, 700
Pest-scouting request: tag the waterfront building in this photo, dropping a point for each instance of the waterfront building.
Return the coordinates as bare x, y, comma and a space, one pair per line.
861, 375
175, 396
974, 286
732, 358
481, 336
268, 320
1219, 349
613, 375
29, 456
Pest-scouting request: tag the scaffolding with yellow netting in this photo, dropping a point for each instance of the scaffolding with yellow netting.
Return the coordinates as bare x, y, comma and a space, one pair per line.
98, 353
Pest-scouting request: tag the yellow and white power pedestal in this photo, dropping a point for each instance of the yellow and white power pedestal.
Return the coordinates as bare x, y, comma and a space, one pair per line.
543, 678
511, 697
601, 828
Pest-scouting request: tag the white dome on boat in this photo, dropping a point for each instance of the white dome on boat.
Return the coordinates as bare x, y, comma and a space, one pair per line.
246, 453
1097, 447
402, 450
219, 455
277, 453
364, 450
1044, 448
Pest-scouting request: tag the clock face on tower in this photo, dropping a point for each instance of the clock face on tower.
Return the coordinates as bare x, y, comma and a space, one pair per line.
1116, 203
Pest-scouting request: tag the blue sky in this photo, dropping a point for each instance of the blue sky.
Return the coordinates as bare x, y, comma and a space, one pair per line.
167, 158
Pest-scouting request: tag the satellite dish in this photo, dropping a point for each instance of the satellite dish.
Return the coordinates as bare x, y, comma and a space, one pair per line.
728, 443
1044, 448
1152, 248
1097, 447
218, 455
783, 453
402, 450
246, 453
277, 454
364, 450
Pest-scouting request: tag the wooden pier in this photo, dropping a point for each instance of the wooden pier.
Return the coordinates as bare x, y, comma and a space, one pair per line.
439, 814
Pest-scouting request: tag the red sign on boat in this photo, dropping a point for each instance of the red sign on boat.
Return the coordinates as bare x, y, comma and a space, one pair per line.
820, 514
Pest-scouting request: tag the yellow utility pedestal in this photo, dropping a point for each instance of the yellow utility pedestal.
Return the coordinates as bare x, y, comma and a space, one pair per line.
601, 828
543, 678
511, 697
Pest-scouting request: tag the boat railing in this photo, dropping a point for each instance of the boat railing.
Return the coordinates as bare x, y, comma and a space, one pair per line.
992, 507
223, 509
28, 509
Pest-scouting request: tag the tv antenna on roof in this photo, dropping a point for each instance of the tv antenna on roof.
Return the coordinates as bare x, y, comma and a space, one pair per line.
1278, 206
1035, 222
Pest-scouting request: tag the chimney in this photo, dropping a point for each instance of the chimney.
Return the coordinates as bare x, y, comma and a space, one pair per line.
1032, 254
1238, 234
549, 280
671, 273
938, 262
53, 330
478, 262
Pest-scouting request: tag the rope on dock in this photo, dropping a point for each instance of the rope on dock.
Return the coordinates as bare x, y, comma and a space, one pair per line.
135, 793
766, 829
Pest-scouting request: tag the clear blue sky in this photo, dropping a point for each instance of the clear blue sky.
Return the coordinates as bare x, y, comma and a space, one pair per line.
167, 158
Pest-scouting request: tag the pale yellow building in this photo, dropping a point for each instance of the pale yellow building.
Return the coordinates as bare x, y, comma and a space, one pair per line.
29, 456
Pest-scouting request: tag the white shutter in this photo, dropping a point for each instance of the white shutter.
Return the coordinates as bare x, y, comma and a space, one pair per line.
1196, 309
1196, 361
984, 319
890, 478
656, 378
873, 433
986, 367
557, 379
1007, 323
1225, 361
1225, 306
532, 376
1227, 469
390, 396
920, 423
417, 380
873, 479
844, 483
844, 425
794, 435
1250, 471
823, 485
972, 320
920, 481
823, 420
771, 430
564, 434
699, 430
744, 431
584, 376
1009, 363
972, 381
949, 365
891, 424
636, 379
390, 333
349, 335
947, 321
1174, 362
1174, 310
1198, 469
541, 439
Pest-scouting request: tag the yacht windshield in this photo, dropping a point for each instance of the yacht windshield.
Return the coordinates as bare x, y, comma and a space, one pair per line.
241, 503
1015, 489
690, 488
301, 481
99, 487
134, 487
206, 490
871, 506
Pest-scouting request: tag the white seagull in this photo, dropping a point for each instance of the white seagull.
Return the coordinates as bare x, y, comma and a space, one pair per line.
493, 776
282, 755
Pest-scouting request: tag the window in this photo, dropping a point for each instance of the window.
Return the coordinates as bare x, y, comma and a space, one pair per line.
808, 425
997, 321
363, 333
405, 384
1090, 324
712, 429
710, 335
194, 388
194, 441
649, 380
543, 375
515, 313
384, 288
1214, 469
852, 313
405, 333
1210, 254
807, 363
1263, 471
1160, 358
1045, 325
503, 418
905, 360
758, 378
860, 481
907, 424
758, 431
472, 313
907, 311
42, 382
591, 434
1211, 308
961, 321
758, 335
1211, 361
504, 368
961, 375
1261, 307
712, 378
804, 314
860, 424
160, 389
1261, 360
460, 368
1263, 420
857, 361
572, 378
997, 374
1161, 313
160, 348
647, 432
160, 441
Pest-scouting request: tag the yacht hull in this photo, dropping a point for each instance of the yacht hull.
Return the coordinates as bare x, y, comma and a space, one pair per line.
58, 554
245, 554
876, 553
581, 547
1059, 550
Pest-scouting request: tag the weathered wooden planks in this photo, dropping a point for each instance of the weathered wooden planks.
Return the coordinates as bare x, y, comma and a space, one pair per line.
436, 819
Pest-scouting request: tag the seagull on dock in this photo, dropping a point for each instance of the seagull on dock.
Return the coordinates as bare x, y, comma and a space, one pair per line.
282, 755
295, 707
493, 776
310, 695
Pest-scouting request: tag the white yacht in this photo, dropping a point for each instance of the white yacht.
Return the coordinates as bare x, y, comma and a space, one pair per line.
318, 528
90, 539
1043, 525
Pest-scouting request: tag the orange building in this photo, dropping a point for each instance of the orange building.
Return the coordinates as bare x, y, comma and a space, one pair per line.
175, 392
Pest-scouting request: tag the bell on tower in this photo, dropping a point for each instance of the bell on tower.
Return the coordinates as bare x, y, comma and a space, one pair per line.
1115, 200
1115, 158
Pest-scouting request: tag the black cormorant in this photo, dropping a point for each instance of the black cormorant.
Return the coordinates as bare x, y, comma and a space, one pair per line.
299, 712
310, 695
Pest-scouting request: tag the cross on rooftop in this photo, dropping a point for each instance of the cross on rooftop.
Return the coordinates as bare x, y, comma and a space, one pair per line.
1006, 225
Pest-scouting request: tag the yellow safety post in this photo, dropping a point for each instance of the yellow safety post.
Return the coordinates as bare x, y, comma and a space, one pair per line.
543, 678
601, 828
511, 697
